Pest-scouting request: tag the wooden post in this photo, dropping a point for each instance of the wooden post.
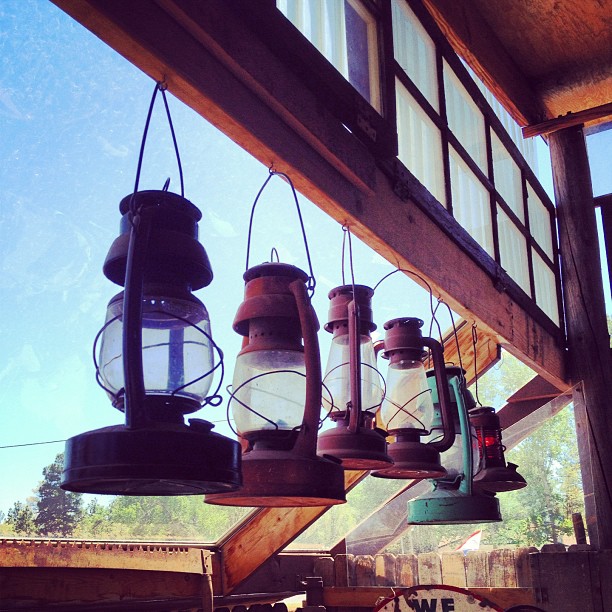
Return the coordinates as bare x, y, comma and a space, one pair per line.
588, 342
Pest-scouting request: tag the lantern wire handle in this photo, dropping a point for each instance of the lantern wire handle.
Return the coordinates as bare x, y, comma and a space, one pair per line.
474, 343
160, 86
346, 238
311, 283
429, 288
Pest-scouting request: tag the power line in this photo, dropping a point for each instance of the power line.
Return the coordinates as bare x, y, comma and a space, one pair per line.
31, 444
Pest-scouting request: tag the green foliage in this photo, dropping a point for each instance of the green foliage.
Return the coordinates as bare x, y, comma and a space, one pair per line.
59, 511
21, 519
158, 518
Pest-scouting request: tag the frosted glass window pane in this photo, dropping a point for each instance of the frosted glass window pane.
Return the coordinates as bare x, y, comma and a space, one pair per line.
539, 222
345, 33
526, 146
513, 251
420, 143
471, 205
507, 177
415, 52
464, 118
545, 287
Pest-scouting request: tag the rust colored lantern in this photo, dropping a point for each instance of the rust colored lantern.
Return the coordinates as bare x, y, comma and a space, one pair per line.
276, 396
353, 382
407, 410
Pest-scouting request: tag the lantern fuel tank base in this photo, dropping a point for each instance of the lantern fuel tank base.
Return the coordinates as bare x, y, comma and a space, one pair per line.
450, 507
366, 449
161, 459
274, 478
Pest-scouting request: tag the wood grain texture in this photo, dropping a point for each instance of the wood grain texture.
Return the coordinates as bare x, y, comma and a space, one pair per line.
588, 340
43, 586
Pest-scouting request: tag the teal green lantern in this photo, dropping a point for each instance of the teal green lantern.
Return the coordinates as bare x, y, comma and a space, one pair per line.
454, 499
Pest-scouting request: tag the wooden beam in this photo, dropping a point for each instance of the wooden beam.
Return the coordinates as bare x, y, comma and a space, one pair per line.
266, 533
367, 597
585, 314
528, 399
571, 119
475, 41
277, 119
103, 555
82, 588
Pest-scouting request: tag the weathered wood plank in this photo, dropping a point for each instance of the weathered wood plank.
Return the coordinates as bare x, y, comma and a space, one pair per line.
477, 569
453, 569
407, 570
365, 572
502, 571
344, 570
324, 567
571, 119
366, 597
43, 586
430, 568
587, 334
134, 556
386, 568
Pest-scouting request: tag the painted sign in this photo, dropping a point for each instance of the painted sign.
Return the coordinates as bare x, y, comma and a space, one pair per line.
436, 598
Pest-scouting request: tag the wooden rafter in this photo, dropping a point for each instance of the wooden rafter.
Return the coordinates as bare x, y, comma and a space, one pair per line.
227, 74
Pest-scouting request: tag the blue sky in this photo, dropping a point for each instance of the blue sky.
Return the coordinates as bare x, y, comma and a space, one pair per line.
71, 118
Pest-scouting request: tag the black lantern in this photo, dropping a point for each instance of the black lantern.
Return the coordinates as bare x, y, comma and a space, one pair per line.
353, 383
155, 363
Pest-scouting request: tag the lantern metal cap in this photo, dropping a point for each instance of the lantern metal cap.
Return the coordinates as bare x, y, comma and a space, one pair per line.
267, 295
403, 339
174, 253
160, 459
340, 297
284, 479
448, 506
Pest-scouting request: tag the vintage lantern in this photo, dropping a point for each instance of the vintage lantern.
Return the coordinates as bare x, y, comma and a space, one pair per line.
453, 499
156, 363
276, 395
493, 474
407, 411
353, 382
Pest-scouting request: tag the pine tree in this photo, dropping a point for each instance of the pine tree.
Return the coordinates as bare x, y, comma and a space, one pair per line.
21, 518
59, 511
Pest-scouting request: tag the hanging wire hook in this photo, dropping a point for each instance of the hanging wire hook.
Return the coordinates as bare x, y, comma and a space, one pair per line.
160, 86
311, 283
346, 238
474, 343
433, 309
